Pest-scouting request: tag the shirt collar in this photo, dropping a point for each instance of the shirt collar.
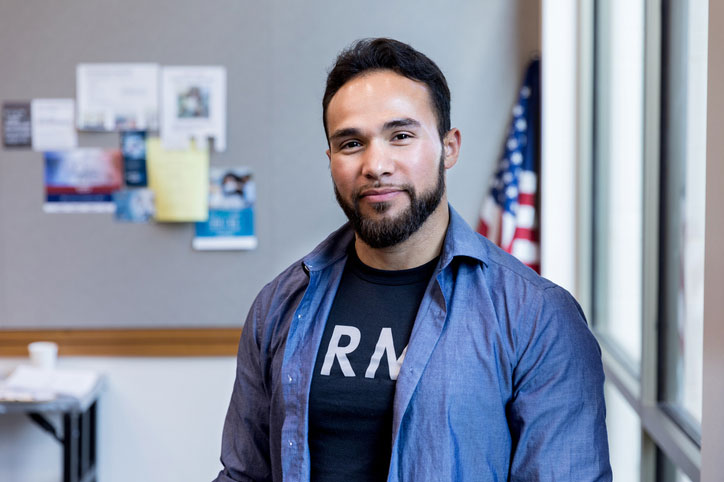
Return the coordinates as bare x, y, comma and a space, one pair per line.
460, 240
330, 250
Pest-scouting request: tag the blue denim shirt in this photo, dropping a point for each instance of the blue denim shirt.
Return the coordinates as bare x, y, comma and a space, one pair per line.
502, 379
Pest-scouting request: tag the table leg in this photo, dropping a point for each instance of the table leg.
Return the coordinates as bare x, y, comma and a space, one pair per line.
71, 449
92, 451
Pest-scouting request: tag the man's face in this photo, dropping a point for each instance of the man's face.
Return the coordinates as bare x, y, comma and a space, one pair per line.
386, 157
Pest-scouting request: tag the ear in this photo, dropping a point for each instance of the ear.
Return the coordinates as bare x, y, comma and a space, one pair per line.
451, 147
328, 156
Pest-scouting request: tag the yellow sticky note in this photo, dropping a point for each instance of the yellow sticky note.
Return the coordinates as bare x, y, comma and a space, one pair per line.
179, 181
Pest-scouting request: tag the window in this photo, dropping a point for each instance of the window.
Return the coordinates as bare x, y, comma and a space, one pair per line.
624, 436
649, 152
683, 199
618, 175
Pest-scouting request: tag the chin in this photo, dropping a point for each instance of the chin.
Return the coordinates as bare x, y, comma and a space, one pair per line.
383, 210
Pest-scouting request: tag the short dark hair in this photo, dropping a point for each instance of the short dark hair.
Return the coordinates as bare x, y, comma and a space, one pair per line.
372, 54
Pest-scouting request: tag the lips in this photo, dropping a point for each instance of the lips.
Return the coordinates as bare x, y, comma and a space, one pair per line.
381, 194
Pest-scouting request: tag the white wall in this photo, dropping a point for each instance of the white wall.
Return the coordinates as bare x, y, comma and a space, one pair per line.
559, 141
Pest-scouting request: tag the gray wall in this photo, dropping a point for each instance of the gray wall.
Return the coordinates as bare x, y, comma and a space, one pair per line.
85, 270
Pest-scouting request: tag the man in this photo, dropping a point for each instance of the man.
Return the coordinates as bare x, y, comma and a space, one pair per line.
406, 346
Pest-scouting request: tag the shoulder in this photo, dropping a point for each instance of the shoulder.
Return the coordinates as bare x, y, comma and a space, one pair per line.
502, 271
506, 277
505, 265
527, 304
278, 293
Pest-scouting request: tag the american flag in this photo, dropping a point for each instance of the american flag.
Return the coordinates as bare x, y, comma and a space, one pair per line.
508, 216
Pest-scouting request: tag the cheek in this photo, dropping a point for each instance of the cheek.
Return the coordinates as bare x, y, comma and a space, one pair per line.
424, 164
342, 174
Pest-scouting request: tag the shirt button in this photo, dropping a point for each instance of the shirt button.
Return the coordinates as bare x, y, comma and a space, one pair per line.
289, 377
299, 316
291, 443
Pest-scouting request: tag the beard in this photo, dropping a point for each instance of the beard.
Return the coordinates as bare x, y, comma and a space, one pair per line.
386, 232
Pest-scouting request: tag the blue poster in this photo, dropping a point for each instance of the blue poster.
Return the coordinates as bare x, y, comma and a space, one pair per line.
133, 146
134, 205
232, 194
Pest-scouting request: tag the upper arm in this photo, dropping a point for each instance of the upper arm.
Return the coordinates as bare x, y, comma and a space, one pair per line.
557, 412
245, 441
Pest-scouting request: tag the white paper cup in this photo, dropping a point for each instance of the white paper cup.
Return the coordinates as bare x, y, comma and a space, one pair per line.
43, 354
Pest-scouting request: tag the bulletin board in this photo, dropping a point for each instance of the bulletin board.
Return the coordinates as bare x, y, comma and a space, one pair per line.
103, 287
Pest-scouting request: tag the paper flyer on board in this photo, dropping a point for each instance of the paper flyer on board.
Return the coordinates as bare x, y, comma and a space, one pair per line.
179, 180
133, 147
82, 180
232, 195
135, 205
117, 96
52, 125
193, 106
16, 124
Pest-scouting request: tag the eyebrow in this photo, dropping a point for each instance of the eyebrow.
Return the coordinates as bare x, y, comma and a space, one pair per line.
350, 131
393, 124
406, 122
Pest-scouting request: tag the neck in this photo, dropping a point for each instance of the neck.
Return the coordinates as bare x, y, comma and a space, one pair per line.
422, 246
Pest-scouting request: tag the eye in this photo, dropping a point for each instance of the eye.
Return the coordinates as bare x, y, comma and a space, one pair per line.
350, 145
402, 136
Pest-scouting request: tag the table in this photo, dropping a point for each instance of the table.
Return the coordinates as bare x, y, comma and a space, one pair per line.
78, 436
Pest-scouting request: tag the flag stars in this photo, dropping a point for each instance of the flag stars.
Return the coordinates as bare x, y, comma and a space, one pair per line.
516, 158
518, 110
512, 143
511, 192
521, 125
525, 92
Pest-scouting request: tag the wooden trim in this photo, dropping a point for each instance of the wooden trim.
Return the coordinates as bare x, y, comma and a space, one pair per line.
141, 342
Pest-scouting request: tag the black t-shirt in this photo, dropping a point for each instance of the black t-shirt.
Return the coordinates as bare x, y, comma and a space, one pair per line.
353, 384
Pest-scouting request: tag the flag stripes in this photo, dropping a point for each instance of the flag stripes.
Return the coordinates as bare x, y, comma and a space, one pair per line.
509, 214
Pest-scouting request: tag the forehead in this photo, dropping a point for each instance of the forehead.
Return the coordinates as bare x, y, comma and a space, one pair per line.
379, 96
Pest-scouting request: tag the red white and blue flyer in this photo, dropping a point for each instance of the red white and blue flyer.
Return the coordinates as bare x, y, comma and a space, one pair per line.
82, 180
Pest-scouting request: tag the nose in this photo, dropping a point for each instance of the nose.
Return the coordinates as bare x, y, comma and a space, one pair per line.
377, 161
